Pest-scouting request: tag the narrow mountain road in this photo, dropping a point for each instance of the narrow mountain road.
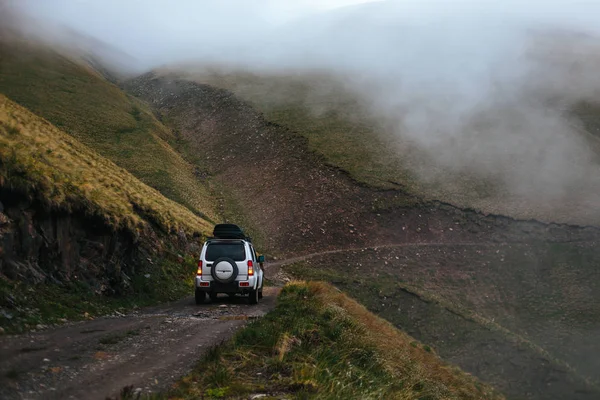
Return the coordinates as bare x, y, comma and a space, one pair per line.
305, 257
148, 350
274, 272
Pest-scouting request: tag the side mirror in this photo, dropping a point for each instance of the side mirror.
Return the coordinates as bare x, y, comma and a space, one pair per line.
261, 259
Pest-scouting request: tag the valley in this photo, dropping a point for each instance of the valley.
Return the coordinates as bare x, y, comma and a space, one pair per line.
109, 187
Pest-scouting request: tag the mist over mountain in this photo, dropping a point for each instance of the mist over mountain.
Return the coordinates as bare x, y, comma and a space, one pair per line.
476, 86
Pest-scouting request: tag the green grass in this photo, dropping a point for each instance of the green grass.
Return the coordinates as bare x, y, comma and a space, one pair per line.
80, 102
44, 163
319, 344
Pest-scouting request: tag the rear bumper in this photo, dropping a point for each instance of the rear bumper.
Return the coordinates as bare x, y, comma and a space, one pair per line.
233, 287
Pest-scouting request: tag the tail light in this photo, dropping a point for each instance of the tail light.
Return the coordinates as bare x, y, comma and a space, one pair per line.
250, 268
199, 273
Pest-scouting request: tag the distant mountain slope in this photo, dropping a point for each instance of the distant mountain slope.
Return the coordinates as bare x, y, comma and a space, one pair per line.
77, 99
338, 126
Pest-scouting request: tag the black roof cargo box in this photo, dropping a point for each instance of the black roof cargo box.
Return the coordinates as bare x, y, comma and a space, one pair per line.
228, 231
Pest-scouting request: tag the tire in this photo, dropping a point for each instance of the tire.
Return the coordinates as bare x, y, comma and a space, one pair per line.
253, 297
200, 296
228, 264
260, 295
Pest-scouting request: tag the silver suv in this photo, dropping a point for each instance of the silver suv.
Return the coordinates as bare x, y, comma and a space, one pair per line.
229, 264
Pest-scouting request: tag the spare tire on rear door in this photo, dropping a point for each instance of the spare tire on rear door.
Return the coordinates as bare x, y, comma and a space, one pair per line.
224, 270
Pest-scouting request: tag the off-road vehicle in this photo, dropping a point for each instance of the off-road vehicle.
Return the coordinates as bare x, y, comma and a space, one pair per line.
229, 264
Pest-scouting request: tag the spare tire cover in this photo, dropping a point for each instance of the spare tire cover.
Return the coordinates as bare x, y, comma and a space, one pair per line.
224, 270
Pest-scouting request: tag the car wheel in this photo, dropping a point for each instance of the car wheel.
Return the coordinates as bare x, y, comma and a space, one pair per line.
200, 296
260, 295
253, 298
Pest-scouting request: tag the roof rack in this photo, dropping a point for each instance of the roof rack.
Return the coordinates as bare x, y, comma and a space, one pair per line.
247, 238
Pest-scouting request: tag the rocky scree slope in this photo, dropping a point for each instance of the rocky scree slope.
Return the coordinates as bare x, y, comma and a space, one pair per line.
294, 200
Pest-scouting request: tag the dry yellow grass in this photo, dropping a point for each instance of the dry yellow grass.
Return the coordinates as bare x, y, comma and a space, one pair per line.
43, 162
403, 355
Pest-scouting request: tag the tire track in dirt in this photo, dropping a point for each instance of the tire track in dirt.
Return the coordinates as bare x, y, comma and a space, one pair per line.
305, 257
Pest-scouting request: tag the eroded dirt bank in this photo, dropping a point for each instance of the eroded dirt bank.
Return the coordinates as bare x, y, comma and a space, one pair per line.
42, 245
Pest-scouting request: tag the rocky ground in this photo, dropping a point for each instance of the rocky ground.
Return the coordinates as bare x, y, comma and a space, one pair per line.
146, 350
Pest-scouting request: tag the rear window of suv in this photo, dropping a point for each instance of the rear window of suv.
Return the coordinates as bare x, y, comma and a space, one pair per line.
234, 251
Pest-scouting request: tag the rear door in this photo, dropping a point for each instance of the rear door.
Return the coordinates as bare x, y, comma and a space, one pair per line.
234, 249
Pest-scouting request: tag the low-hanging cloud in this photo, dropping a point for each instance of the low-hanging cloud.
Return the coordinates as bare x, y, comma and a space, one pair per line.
476, 85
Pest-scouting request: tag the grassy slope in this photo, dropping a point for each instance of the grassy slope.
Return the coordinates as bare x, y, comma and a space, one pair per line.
531, 301
39, 159
318, 343
79, 101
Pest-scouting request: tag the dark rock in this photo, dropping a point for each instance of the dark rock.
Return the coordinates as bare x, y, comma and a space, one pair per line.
42, 246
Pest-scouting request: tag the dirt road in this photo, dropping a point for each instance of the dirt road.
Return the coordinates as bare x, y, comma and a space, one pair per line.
149, 349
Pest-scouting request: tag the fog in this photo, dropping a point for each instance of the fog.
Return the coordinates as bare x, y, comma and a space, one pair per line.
477, 85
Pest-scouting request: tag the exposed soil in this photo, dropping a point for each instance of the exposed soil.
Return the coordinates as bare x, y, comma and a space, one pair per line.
294, 200
148, 350
42, 246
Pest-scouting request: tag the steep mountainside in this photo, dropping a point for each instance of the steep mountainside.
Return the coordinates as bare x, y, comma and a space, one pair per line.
339, 126
72, 95
294, 199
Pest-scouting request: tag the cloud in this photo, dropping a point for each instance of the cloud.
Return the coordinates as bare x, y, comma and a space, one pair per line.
484, 86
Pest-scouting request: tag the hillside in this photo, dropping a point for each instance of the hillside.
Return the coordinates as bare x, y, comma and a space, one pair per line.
300, 204
528, 307
73, 96
106, 194
339, 125
320, 344
45, 164
73, 224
